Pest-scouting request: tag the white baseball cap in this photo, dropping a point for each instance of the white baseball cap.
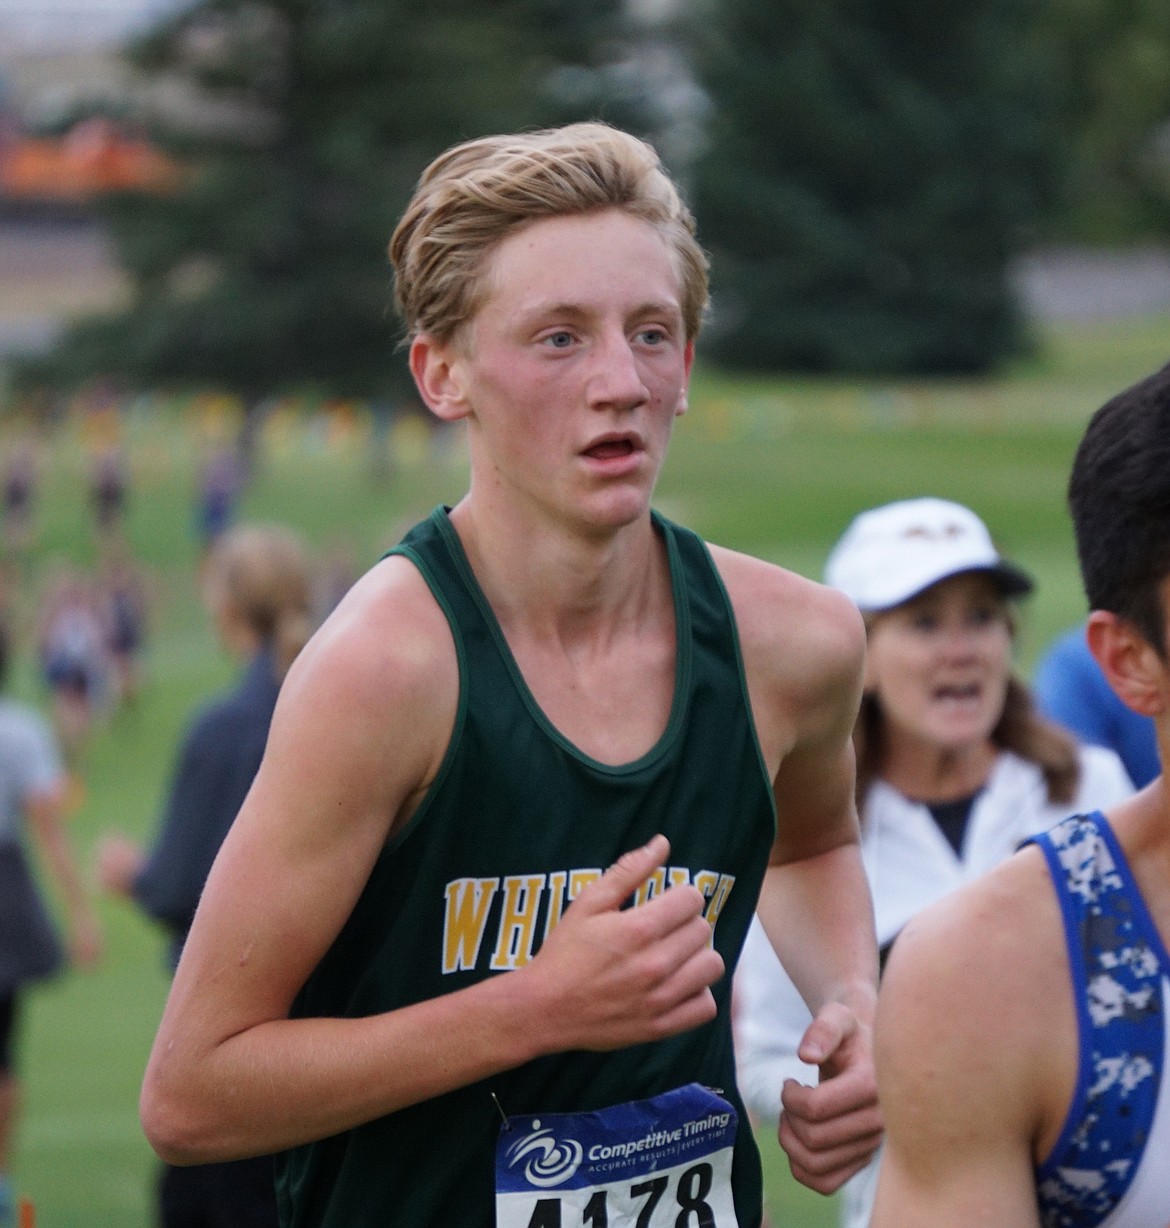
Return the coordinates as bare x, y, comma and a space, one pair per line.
892, 553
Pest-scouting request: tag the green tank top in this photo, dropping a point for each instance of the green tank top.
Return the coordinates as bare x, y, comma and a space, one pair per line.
517, 821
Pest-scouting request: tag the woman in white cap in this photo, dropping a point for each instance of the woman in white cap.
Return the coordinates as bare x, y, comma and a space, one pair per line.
954, 766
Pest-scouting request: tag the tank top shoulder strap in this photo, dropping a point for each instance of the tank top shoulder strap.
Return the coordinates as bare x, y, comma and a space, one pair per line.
710, 622
433, 547
1117, 961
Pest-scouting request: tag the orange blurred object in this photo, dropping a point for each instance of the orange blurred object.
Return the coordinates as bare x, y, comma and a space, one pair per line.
93, 158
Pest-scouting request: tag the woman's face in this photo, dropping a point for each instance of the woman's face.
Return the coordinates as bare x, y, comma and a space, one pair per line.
939, 664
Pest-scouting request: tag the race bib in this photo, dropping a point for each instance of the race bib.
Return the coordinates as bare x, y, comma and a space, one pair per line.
658, 1163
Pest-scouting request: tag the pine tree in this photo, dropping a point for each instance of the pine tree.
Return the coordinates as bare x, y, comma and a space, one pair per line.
267, 270
1114, 61
871, 167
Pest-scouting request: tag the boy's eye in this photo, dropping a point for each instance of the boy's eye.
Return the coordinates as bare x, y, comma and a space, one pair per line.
560, 340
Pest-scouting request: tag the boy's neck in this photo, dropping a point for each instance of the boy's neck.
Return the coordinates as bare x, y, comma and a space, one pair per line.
560, 582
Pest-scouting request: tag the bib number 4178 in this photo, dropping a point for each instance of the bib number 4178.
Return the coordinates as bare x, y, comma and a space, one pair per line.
689, 1209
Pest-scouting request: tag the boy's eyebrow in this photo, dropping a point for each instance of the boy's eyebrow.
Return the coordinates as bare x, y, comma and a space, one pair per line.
577, 310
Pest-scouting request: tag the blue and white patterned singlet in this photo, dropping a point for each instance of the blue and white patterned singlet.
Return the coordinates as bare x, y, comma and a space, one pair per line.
1110, 1167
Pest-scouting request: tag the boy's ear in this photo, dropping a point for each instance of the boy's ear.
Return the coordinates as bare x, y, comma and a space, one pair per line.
438, 375
1137, 674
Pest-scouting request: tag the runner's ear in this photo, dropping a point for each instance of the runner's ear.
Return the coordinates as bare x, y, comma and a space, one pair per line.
1132, 666
438, 375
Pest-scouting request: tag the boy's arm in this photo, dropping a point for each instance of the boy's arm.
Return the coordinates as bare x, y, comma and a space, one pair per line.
804, 648
816, 908
959, 1074
360, 730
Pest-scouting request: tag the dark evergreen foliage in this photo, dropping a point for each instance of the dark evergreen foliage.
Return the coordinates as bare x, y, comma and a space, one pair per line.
871, 167
311, 123
1113, 70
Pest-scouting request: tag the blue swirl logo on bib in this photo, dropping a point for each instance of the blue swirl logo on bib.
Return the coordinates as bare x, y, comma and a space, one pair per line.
549, 1162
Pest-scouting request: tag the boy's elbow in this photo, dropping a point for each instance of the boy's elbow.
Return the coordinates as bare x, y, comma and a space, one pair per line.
173, 1127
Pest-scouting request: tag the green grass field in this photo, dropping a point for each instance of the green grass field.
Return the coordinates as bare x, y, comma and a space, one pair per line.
775, 467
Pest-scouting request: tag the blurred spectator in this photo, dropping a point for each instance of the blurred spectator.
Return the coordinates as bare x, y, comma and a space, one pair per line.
74, 658
19, 495
124, 601
109, 491
32, 794
1071, 689
221, 481
257, 588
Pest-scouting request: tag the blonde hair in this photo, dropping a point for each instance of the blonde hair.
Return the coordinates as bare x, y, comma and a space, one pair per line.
263, 570
475, 194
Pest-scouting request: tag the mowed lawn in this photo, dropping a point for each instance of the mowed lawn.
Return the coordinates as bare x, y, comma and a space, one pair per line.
772, 466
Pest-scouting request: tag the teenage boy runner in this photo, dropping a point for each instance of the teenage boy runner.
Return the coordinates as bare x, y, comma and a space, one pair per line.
546, 680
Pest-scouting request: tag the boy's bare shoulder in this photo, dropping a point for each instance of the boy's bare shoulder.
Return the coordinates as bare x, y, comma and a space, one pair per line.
975, 1047
974, 998
381, 671
388, 627
998, 928
814, 634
